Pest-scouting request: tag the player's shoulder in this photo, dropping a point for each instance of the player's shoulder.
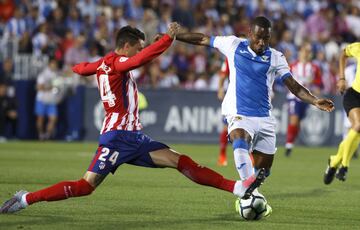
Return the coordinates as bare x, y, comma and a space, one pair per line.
276, 52
353, 47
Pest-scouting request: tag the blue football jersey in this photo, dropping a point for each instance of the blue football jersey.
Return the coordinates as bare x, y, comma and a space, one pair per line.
251, 76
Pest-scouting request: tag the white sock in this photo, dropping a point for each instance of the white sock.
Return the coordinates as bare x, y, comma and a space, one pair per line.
243, 163
23, 200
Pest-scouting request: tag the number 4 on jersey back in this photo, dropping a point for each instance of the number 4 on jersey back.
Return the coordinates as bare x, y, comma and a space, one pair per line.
105, 90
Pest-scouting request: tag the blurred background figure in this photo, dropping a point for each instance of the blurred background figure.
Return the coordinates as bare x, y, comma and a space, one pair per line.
308, 74
47, 98
8, 114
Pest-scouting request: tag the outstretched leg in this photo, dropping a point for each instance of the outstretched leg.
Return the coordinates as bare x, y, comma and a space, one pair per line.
60, 191
203, 175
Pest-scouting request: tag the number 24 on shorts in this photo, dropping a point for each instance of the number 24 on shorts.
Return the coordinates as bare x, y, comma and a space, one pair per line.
104, 154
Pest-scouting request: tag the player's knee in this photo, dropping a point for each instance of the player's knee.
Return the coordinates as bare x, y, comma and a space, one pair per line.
240, 143
83, 188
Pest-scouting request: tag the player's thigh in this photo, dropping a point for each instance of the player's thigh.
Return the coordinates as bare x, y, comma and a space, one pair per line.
94, 179
354, 116
165, 158
241, 127
264, 144
106, 160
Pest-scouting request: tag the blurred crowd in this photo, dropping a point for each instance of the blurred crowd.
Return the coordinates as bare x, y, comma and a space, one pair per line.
74, 31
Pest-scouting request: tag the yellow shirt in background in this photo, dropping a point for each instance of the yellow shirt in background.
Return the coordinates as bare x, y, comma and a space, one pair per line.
353, 50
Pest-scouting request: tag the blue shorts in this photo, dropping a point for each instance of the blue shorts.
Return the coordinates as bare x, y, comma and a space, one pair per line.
42, 109
297, 108
119, 147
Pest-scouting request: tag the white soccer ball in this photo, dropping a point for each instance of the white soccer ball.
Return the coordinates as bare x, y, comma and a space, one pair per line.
253, 208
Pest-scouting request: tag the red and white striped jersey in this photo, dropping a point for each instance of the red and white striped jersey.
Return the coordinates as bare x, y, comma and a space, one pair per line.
117, 88
308, 74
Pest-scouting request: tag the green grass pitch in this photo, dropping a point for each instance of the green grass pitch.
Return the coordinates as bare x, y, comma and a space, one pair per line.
142, 198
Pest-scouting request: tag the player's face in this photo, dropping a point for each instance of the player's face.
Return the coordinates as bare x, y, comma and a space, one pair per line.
259, 39
133, 50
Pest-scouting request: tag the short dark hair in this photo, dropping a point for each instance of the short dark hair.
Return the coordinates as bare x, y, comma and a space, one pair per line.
128, 34
261, 21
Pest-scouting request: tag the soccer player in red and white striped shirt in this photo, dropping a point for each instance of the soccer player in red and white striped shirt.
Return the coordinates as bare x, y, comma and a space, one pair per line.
121, 140
308, 74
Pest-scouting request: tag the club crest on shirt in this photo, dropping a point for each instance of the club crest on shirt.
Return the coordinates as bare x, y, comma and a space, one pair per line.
237, 118
104, 67
265, 58
101, 165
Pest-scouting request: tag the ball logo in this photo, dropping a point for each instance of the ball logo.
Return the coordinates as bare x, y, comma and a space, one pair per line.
315, 128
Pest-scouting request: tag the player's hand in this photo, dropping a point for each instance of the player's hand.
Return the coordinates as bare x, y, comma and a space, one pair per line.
324, 104
173, 29
341, 86
220, 94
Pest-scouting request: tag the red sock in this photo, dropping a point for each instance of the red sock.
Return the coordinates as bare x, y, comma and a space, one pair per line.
292, 132
61, 191
223, 142
203, 175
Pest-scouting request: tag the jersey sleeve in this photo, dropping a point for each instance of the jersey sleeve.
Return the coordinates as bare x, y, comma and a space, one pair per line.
124, 64
282, 69
225, 44
86, 68
353, 50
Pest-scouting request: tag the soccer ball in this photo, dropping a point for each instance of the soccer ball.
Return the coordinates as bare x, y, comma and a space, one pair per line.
253, 208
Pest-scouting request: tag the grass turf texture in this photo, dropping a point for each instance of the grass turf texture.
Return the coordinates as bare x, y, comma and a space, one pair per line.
142, 198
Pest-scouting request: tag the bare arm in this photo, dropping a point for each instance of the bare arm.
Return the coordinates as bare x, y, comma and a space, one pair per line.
221, 91
305, 95
299, 91
341, 83
194, 38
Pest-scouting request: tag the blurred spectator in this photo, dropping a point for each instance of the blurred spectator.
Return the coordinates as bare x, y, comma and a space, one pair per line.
57, 23
25, 44
151, 23
74, 22
47, 98
201, 82
7, 76
7, 8
169, 79
287, 47
33, 19
87, 8
328, 24
8, 112
15, 27
183, 15
40, 40
77, 52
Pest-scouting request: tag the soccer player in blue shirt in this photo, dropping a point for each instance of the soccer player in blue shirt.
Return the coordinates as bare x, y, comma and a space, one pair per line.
247, 106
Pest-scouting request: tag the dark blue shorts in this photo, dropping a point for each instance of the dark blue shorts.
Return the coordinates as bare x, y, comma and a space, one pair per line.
297, 108
119, 147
